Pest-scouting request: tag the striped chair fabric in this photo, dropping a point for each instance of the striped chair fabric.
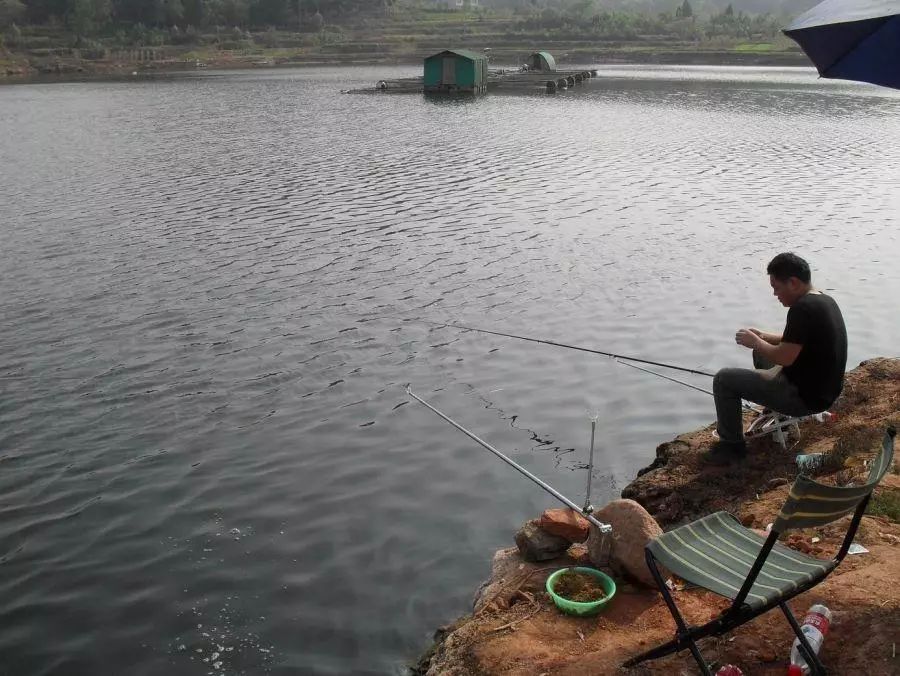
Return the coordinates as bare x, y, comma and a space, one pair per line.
717, 552
812, 504
756, 573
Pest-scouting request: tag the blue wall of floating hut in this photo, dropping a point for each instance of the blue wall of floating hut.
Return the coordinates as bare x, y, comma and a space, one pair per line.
541, 61
456, 70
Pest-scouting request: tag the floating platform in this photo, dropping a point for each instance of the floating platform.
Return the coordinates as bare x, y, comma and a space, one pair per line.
459, 71
500, 80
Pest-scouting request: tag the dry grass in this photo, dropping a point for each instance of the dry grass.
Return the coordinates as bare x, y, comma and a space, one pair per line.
856, 441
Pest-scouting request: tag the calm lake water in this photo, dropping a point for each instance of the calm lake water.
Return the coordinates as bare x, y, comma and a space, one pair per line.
208, 462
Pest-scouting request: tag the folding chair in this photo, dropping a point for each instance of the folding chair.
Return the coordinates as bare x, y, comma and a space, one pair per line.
756, 573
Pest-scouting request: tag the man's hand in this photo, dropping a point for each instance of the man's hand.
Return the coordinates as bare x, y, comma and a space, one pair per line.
770, 338
749, 338
775, 351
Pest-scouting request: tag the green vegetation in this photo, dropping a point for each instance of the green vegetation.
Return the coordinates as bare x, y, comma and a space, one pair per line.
92, 33
754, 47
885, 503
856, 440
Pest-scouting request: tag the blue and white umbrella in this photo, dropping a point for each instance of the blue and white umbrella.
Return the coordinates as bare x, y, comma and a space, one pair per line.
852, 40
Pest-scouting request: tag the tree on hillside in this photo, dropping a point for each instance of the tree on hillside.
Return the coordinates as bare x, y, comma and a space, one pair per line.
10, 12
230, 12
169, 12
194, 12
269, 12
85, 17
583, 8
729, 11
686, 9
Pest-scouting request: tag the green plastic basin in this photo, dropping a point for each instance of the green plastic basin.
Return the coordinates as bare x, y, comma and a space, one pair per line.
577, 607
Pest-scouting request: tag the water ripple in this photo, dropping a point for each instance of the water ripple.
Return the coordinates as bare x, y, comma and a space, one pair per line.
215, 289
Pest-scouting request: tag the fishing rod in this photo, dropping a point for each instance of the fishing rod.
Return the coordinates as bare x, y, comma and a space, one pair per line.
604, 527
569, 347
674, 380
744, 404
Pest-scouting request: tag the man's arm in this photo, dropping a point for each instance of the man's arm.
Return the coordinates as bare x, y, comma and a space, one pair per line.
770, 338
783, 354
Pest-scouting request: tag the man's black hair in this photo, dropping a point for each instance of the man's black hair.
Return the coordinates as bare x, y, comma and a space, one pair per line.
787, 265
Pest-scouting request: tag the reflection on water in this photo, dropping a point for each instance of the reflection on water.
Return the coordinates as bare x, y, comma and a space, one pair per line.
211, 288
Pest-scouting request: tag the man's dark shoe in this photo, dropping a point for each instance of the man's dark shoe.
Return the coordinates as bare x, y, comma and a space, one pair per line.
725, 453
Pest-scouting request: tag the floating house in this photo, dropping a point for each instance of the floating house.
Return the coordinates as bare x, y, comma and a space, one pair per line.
542, 61
456, 70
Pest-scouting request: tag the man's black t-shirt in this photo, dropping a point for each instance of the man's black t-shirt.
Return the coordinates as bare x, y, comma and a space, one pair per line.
815, 322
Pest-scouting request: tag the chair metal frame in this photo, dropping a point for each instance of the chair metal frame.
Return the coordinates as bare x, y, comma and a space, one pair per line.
738, 614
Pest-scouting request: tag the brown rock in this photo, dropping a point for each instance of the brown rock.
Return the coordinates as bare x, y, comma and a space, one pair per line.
659, 499
767, 654
632, 529
776, 482
535, 544
664, 453
566, 523
506, 565
579, 554
511, 575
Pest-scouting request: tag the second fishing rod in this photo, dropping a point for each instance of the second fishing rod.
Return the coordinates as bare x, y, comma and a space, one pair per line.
542, 341
625, 360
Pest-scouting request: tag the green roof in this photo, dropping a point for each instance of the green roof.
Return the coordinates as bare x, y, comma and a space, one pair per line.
465, 53
548, 57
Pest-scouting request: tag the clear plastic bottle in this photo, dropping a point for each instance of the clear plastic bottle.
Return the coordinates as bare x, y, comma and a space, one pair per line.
814, 627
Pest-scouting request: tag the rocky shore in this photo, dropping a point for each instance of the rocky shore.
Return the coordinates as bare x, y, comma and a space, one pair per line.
514, 627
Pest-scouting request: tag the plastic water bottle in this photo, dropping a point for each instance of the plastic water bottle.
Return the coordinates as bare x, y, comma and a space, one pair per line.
824, 416
815, 628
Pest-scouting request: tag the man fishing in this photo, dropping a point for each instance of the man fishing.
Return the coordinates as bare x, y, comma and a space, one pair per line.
797, 373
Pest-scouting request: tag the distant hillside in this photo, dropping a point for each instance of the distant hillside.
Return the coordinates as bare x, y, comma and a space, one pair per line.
701, 7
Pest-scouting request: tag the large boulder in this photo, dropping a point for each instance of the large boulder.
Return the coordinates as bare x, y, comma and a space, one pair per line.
536, 544
632, 529
566, 523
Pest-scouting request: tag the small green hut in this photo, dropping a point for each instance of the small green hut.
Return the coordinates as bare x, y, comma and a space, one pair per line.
456, 70
541, 61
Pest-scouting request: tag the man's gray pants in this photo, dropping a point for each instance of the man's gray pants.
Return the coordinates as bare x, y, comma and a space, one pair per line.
765, 385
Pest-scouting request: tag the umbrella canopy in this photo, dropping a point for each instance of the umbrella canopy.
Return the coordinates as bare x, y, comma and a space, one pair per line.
852, 39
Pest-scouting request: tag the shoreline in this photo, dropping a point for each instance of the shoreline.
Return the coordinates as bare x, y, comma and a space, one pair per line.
22, 70
515, 629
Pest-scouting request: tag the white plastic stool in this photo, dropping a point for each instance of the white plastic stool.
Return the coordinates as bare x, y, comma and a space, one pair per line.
780, 426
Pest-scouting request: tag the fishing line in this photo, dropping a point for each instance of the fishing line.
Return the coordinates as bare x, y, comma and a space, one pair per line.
674, 380
569, 347
681, 382
604, 528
